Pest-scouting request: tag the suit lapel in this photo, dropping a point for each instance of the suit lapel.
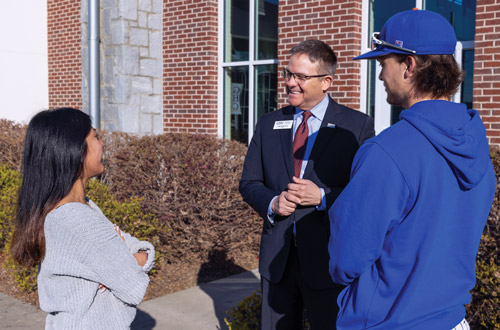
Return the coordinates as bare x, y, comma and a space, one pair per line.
325, 134
286, 141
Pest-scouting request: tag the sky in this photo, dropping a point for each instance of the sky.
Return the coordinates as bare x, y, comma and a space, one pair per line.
23, 59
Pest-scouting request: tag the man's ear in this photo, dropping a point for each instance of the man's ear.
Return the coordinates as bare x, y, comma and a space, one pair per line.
411, 64
327, 82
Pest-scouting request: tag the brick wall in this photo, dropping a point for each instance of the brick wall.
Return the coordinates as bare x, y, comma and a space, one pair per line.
486, 97
336, 22
64, 56
190, 66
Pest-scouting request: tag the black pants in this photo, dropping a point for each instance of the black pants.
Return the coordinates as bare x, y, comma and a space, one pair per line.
283, 303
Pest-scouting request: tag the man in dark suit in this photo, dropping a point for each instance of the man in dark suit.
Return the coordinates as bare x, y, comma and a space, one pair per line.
294, 170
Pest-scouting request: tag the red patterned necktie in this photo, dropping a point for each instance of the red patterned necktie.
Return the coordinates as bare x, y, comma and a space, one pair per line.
300, 143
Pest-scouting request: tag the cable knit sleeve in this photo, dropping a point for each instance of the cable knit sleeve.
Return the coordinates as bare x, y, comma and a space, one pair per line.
98, 253
134, 245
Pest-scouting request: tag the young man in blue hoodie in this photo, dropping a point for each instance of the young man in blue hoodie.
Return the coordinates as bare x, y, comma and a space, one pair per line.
406, 229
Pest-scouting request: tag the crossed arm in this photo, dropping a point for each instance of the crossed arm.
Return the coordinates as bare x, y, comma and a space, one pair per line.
141, 257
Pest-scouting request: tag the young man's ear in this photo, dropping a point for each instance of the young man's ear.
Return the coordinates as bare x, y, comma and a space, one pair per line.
411, 64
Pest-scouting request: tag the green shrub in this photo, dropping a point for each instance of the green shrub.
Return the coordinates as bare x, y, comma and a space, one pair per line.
128, 214
246, 315
484, 310
25, 278
10, 182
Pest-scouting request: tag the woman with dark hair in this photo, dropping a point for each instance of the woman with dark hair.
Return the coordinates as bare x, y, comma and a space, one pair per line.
91, 274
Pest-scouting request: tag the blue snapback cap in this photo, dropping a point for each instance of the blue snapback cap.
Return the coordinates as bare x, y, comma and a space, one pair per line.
418, 32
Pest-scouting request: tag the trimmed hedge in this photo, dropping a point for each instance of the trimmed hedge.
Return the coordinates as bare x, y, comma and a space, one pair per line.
190, 182
11, 143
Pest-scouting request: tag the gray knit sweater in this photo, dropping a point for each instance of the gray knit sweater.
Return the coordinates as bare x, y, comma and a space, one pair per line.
82, 250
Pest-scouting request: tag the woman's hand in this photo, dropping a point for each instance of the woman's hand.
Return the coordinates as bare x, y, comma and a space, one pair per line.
118, 231
141, 257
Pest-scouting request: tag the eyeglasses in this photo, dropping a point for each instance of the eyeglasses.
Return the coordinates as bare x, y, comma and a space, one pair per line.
376, 42
299, 77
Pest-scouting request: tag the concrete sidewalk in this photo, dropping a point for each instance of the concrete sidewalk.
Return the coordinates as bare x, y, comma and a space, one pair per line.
202, 307
19, 316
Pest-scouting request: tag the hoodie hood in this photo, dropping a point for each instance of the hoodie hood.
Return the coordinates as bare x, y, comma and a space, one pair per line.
457, 133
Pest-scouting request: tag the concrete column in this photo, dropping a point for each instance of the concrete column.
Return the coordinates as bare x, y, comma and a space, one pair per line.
131, 65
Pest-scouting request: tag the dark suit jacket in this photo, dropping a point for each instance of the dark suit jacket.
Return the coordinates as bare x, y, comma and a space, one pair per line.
269, 168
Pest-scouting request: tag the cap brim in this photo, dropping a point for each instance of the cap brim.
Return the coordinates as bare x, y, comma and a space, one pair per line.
373, 54
381, 51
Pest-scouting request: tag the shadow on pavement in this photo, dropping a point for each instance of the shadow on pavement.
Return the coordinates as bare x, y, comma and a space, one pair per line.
227, 291
143, 321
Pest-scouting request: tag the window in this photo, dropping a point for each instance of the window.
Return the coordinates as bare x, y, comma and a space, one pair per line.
380, 11
468, 67
248, 51
461, 14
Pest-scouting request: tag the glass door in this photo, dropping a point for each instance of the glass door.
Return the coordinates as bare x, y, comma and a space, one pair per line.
382, 112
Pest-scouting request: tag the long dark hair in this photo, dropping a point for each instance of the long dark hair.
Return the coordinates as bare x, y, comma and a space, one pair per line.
54, 151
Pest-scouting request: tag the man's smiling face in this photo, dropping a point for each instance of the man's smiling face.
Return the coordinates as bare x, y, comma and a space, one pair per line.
305, 94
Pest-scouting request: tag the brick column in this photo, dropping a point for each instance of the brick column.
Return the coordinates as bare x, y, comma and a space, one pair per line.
190, 66
336, 22
64, 56
486, 97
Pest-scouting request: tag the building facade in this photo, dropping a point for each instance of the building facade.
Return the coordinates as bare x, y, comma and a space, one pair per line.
212, 66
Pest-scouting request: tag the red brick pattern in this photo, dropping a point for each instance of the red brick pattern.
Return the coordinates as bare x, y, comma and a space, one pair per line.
486, 97
64, 53
336, 22
190, 66
190, 56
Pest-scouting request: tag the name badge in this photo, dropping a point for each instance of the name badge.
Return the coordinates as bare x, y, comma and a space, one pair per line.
283, 124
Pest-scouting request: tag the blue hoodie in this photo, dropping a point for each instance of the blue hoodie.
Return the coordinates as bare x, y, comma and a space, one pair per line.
406, 229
